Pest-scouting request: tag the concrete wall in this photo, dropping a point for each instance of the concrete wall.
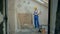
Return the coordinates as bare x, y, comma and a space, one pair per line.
11, 16
27, 6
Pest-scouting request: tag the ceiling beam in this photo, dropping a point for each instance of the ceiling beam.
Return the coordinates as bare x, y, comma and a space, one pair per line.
42, 3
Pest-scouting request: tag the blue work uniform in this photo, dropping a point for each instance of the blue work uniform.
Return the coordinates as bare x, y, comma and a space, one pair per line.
36, 21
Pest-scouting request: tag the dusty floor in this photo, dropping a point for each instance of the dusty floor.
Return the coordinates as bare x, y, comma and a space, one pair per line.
28, 31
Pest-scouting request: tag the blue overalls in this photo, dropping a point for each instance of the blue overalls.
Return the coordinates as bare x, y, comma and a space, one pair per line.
36, 21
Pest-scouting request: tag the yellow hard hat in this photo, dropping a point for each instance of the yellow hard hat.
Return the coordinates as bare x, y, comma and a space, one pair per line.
35, 7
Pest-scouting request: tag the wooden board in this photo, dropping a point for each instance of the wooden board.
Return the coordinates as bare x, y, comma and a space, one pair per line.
25, 20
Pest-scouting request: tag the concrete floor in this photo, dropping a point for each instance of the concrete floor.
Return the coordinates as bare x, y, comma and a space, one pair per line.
28, 31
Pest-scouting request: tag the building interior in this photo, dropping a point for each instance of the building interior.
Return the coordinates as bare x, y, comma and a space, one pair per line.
17, 16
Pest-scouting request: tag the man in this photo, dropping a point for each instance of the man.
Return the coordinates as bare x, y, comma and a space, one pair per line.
36, 19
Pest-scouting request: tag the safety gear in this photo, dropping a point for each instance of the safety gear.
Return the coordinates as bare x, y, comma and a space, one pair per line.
35, 7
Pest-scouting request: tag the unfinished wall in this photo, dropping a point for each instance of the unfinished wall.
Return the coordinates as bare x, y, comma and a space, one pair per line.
24, 6
27, 6
25, 20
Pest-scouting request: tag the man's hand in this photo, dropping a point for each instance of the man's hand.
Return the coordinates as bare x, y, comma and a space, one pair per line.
40, 12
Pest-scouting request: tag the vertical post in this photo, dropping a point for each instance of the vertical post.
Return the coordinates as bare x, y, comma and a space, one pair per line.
49, 17
53, 10
6, 15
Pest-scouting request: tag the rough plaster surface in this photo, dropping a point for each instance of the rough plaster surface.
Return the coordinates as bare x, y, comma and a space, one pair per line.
27, 6
11, 16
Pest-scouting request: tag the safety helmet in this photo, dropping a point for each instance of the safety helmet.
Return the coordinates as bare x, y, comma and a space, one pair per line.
35, 7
